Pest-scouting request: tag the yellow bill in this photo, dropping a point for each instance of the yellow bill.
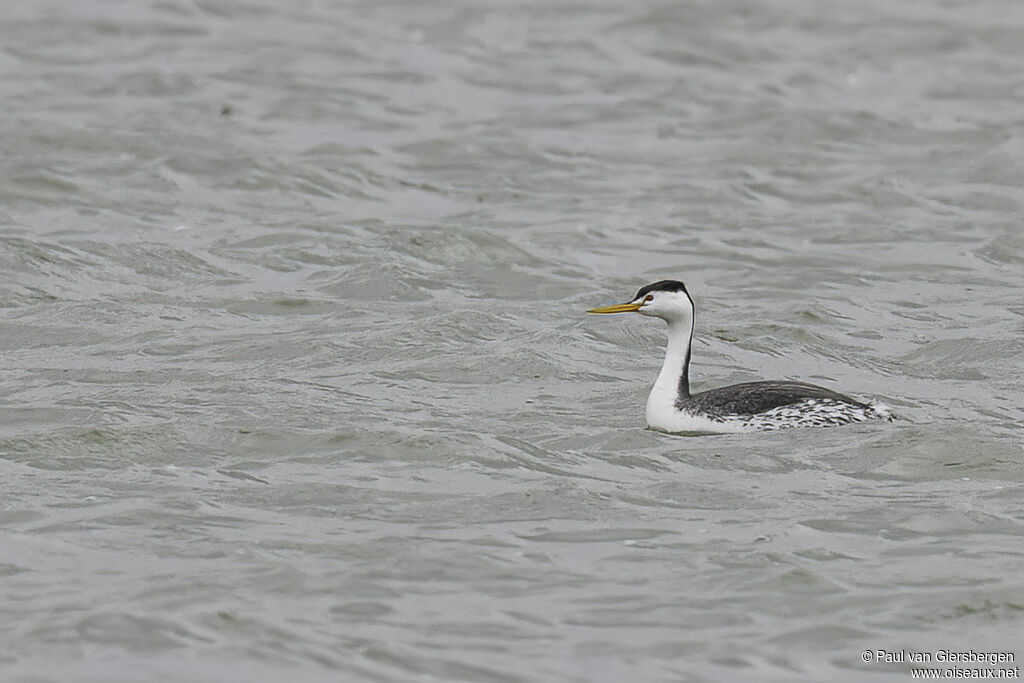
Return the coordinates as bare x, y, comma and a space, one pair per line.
617, 308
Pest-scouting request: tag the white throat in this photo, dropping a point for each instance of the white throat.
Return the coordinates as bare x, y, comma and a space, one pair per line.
673, 378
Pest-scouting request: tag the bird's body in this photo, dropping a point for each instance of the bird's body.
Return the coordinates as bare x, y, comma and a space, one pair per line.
752, 406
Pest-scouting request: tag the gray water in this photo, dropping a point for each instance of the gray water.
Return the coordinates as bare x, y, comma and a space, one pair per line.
297, 384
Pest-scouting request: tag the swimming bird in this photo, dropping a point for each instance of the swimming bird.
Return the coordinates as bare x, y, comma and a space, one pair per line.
747, 407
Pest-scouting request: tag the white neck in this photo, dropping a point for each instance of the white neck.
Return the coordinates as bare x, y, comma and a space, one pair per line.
673, 379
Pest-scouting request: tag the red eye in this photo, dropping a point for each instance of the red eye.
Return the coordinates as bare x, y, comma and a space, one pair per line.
649, 297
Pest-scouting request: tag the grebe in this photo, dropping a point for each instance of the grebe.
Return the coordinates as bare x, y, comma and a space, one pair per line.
747, 407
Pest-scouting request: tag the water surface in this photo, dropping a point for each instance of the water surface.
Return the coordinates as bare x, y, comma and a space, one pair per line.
297, 382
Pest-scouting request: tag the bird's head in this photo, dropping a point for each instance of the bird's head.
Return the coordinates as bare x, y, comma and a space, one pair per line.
667, 299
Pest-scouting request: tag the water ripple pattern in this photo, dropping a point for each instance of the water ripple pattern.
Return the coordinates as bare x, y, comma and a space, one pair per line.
296, 379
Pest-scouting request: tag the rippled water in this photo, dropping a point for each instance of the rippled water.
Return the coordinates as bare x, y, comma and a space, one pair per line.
296, 381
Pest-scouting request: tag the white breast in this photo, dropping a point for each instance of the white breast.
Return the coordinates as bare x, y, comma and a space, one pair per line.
663, 416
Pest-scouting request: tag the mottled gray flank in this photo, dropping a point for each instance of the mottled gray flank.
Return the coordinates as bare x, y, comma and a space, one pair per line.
773, 405
296, 382
807, 412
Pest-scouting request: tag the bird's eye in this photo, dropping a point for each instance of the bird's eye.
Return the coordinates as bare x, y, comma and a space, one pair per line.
649, 297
